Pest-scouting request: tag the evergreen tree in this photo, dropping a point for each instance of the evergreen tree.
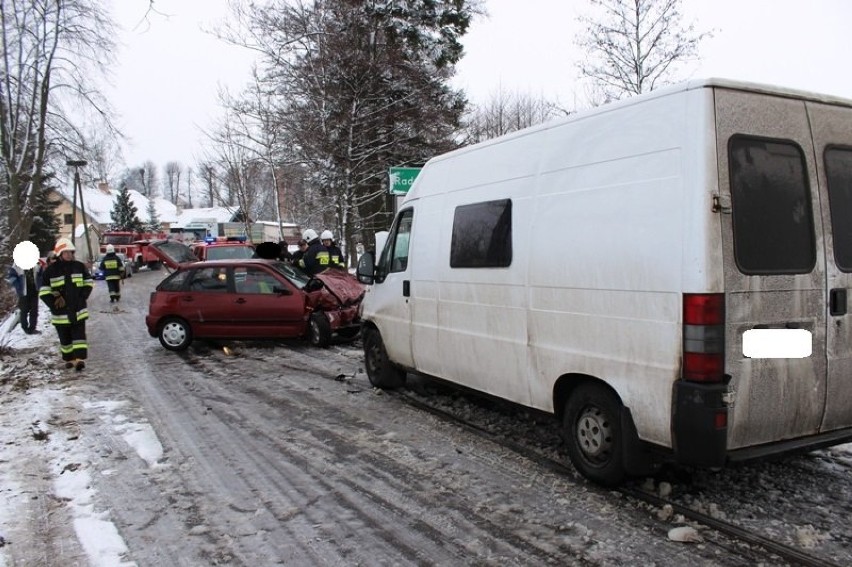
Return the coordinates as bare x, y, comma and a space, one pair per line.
124, 213
46, 223
362, 86
153, 224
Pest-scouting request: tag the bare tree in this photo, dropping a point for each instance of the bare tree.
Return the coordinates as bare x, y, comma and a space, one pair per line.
256, 126
240, 171
50, 52
189, 187
171, 182
103, 154
207, 172
506, 112
148, 175
635, 46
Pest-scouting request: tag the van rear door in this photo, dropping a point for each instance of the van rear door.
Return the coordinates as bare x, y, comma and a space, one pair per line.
832, 134
774, 263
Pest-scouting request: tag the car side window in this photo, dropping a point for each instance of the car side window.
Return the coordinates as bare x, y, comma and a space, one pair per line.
254, 280
175, 282
209, 279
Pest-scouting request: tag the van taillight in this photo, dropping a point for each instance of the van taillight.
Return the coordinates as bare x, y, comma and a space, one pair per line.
704, 337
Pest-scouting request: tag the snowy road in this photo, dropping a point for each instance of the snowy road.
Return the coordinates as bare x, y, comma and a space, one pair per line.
282, 454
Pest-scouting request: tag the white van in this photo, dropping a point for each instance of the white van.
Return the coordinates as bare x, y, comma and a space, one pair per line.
611, 268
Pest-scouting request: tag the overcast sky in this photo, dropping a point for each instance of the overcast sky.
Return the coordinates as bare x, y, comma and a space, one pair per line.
169, 72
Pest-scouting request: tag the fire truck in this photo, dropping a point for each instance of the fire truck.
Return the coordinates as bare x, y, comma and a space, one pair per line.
134, 245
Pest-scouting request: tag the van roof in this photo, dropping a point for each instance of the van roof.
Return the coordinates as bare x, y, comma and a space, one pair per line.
712, 82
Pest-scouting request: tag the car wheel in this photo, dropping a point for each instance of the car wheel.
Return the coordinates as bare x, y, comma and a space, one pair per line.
593, 434
380, 370
319, 330
175, 334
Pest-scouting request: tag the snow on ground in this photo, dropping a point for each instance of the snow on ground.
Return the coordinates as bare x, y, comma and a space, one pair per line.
29, 419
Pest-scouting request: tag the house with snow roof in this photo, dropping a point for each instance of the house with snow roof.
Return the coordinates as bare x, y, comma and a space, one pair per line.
186, 224
91, 210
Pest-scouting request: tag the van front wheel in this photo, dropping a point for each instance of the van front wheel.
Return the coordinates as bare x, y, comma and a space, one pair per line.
380, 370
593, 434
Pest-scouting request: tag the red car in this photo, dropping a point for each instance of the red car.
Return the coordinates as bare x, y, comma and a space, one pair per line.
249, 299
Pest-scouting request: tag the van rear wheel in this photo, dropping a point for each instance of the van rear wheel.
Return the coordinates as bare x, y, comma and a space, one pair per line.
593, 434
380, 370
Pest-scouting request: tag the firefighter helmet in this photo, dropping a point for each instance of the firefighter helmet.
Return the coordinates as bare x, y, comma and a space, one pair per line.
326, 235
310, 235
64, 245
110, 248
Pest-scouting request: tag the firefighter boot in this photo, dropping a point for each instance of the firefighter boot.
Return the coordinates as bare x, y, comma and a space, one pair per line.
79, 365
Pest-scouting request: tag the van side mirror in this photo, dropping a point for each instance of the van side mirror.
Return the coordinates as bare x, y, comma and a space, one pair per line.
366, 268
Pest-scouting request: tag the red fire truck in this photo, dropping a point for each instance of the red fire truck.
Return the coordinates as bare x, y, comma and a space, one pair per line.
134, 245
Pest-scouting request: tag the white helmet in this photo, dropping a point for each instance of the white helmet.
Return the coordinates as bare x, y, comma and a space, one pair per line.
310, 235
110, 249
326, 235
64, 245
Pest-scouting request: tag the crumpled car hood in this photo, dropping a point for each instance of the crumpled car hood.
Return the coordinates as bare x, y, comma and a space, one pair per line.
340, 289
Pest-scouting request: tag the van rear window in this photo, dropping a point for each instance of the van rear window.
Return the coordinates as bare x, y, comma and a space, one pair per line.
772, 217
838, 168
482, 235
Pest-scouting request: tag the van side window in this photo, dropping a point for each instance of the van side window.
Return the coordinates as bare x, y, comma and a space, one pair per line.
395, 254
771, 205
482, 235
838, 171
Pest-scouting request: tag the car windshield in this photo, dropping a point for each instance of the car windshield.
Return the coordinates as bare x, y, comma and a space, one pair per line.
296, 276
229, 252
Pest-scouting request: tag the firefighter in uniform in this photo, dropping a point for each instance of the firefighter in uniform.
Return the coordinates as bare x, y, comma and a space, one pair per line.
113, 269
316, 258
66, 285
335, 256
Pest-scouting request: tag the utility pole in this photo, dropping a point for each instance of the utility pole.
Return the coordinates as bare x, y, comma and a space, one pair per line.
78, 190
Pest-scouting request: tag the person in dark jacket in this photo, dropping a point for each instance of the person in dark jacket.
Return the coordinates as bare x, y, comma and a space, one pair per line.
284, 255
66, 286
113, 269
316, 258
27, 284
300, 253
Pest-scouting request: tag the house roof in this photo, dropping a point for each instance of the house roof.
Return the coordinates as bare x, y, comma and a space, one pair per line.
200, 218
100, 202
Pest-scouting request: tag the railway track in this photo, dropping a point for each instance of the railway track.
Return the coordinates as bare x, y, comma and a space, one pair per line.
769, 549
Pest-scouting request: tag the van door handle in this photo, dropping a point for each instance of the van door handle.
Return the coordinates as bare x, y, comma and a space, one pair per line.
837, 301
406, 288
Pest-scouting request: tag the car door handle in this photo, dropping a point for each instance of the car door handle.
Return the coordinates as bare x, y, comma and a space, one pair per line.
240, 300
837, 304
187, 299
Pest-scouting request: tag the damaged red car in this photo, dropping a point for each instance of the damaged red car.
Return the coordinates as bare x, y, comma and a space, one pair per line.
248, 299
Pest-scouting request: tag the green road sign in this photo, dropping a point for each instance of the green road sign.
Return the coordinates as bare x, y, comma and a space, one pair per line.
401, 179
